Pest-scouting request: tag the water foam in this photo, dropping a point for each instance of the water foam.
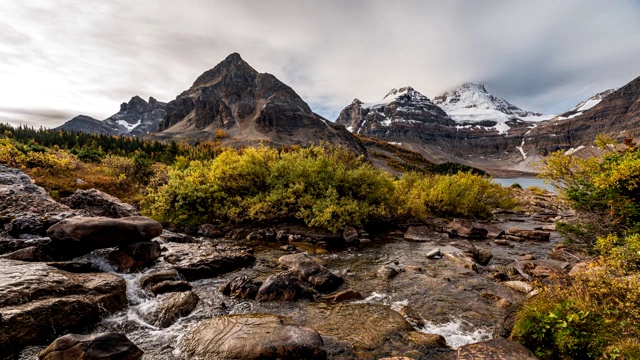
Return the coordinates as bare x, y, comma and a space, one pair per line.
456, 332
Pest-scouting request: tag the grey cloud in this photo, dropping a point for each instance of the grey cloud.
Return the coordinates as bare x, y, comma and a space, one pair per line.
89, 56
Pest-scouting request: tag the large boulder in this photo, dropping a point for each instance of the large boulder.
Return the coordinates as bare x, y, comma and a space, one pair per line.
206, 260
252, 336
20, 195
38, 302
495, 349
312, 272
171, 307
285, 286
79, 235
107, 346
94, 202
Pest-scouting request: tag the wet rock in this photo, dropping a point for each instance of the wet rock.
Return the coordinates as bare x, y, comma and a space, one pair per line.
387, 272
466, 229
350, 234
168, 236
423, 234
364, 327
11, 245
427, 341
173, 306
38, 302
252, 336
165, 281
496, 349
493, 231
483, 257
134, 256
520, 286
79, 235
256, 236
549, 228
463, 260
205, 260
480, 256
345, 295
502, 242
313, 235
210, 231
536, 235
288, 248
32, 253
94, 202
434, 254
410, 315
310, 271
75, 266
285, 286
107, 346
241, 287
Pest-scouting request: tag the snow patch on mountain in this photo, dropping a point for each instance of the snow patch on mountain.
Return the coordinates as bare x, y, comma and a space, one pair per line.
472, 103
584, 106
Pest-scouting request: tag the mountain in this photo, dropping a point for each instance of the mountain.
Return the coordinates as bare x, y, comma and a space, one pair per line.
616, 114
400, 109
137, 117
250, 107
472, 105
584, 105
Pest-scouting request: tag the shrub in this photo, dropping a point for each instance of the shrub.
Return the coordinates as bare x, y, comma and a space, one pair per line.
461, 195
516, 186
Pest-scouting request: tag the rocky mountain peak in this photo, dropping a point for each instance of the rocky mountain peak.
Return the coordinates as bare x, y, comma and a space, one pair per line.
232, 66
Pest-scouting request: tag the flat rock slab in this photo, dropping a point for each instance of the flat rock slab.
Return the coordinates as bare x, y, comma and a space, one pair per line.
206, 260
252, 336
79, 235
496, 349
39, 302
423, 234
108, 346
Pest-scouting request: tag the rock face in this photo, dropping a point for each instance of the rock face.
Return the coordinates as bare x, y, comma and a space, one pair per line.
111, 346
79, 235
97, 203
249, 106
310, 271
38, 302
252, 336
137, 117
496, 349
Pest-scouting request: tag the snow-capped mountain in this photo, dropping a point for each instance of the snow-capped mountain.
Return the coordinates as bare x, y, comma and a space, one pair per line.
399, 108
472, 105
584, 106
137, 117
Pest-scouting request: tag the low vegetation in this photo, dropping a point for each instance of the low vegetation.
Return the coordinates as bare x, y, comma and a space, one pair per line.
321, 186
595, 313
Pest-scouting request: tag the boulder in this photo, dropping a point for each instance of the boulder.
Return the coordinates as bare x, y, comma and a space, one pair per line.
206, 260
483, 257
75, 266
350, 234
11, 245
79, 235
168, 236
520, 286
426, 341
285, 286
309, 270
169, 286
536, 235
106, 346
241, 287
32, 253
462, 259
252, 336
493, 231
19, 196
495, 349
423, 234
164, 281
38, 302
387, 272
94, 202
171, 307
134, 256
466, 229
434, 254
345, 295
29, 224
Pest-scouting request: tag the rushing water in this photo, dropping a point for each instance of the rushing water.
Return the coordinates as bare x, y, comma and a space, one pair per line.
524, 182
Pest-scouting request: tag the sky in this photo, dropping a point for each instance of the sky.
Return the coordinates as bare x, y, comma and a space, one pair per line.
62, 58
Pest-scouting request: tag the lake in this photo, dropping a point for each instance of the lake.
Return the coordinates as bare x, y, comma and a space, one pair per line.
524, 182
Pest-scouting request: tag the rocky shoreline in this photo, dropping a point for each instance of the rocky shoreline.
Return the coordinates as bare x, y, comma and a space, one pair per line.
92, 275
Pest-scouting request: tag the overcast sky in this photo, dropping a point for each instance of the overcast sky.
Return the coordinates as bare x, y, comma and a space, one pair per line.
61, 58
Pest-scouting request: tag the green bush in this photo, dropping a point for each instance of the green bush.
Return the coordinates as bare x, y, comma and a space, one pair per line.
461, 195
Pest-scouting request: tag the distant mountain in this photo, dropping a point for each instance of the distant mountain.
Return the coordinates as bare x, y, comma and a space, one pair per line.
137, 117
584, 105
400, 109
472, 105
250, 107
